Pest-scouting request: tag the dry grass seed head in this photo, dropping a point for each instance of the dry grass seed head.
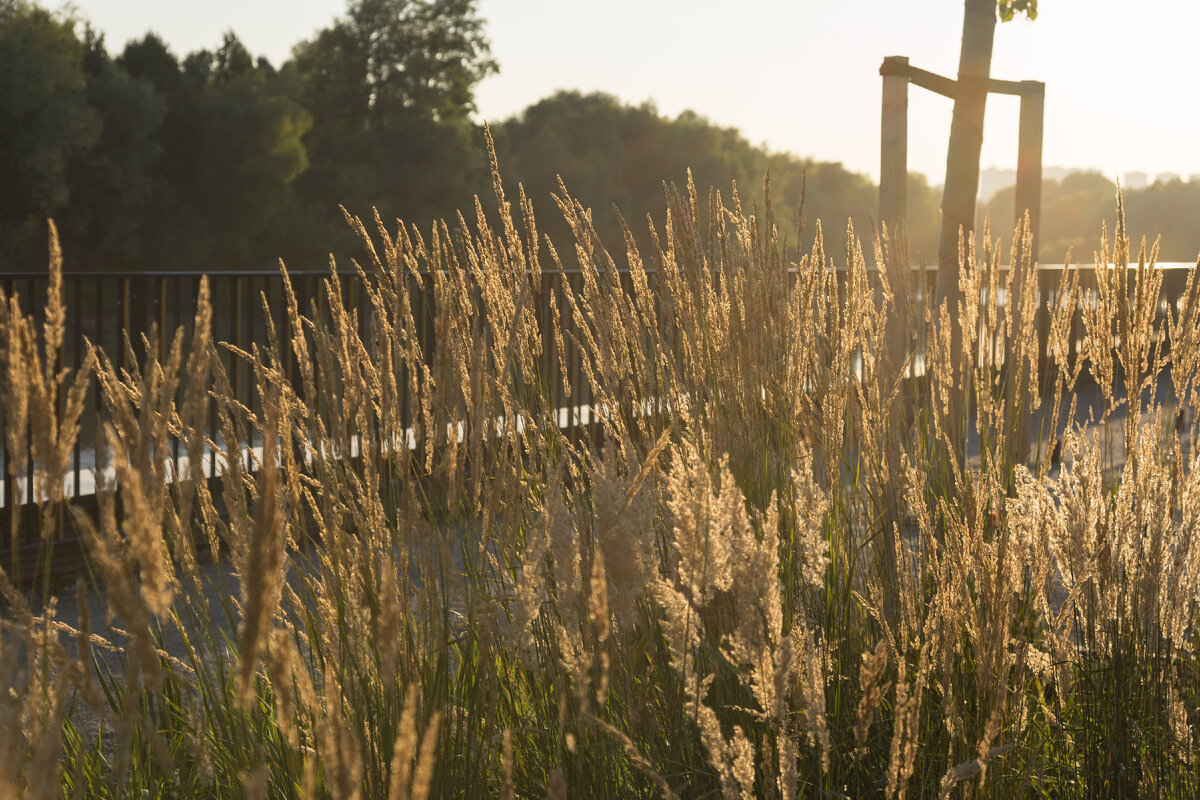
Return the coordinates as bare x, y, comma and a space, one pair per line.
869, 673
262, 573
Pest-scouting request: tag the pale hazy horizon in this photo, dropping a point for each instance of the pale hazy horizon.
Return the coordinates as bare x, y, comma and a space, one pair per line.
796, 76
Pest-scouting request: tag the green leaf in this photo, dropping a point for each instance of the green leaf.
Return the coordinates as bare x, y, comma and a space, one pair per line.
1010, 8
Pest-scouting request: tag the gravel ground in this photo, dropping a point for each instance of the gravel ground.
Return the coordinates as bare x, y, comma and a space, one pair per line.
221, 587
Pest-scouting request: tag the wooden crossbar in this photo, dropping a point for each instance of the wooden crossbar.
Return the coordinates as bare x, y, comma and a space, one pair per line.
898, 67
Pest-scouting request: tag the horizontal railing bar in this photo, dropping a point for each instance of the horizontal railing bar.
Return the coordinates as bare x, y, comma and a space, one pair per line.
271, 274
189, 273
240, 273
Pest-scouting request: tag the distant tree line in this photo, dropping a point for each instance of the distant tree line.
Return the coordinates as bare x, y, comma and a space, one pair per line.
615, 158
220, 160
1073, 209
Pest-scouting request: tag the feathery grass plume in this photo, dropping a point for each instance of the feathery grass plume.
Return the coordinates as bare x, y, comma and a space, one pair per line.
42, 726
1060, 346
83, 649
392, 616
142, 530
412, 762
704, 513
338, 747
899, 765
61, 427
113, 559
966, 770
285, 670
189, 422
16, 329
728, 566
1182, 582
624, 510
600, 617
742, 767
142, 405
873, 664
237, 487
721, 753
407, 742
1181, 728
423, 773
1183, 327
531, 587
556, 785
41, 376
255, 782
1020, 361
55, 325
262, 574
811, 506
34, 379
506, 756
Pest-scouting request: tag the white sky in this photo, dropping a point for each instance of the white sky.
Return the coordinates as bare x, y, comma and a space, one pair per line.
797, 75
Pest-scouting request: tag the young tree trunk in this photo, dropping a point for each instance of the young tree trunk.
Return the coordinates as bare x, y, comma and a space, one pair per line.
966, 140
958, 201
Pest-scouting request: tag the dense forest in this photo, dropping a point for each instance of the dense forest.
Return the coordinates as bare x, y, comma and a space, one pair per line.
221, 160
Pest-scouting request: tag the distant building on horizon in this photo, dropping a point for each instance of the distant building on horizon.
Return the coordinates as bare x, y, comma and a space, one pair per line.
992, 180
995, 179
1135, 180
1167, 177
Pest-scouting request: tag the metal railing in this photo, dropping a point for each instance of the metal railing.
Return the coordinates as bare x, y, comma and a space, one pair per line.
124, 314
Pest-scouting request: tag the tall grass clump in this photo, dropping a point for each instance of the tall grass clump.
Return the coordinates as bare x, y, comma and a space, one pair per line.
703, 518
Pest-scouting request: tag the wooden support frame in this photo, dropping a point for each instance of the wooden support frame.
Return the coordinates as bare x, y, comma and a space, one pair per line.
1029, 158
893, 141
897, 74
